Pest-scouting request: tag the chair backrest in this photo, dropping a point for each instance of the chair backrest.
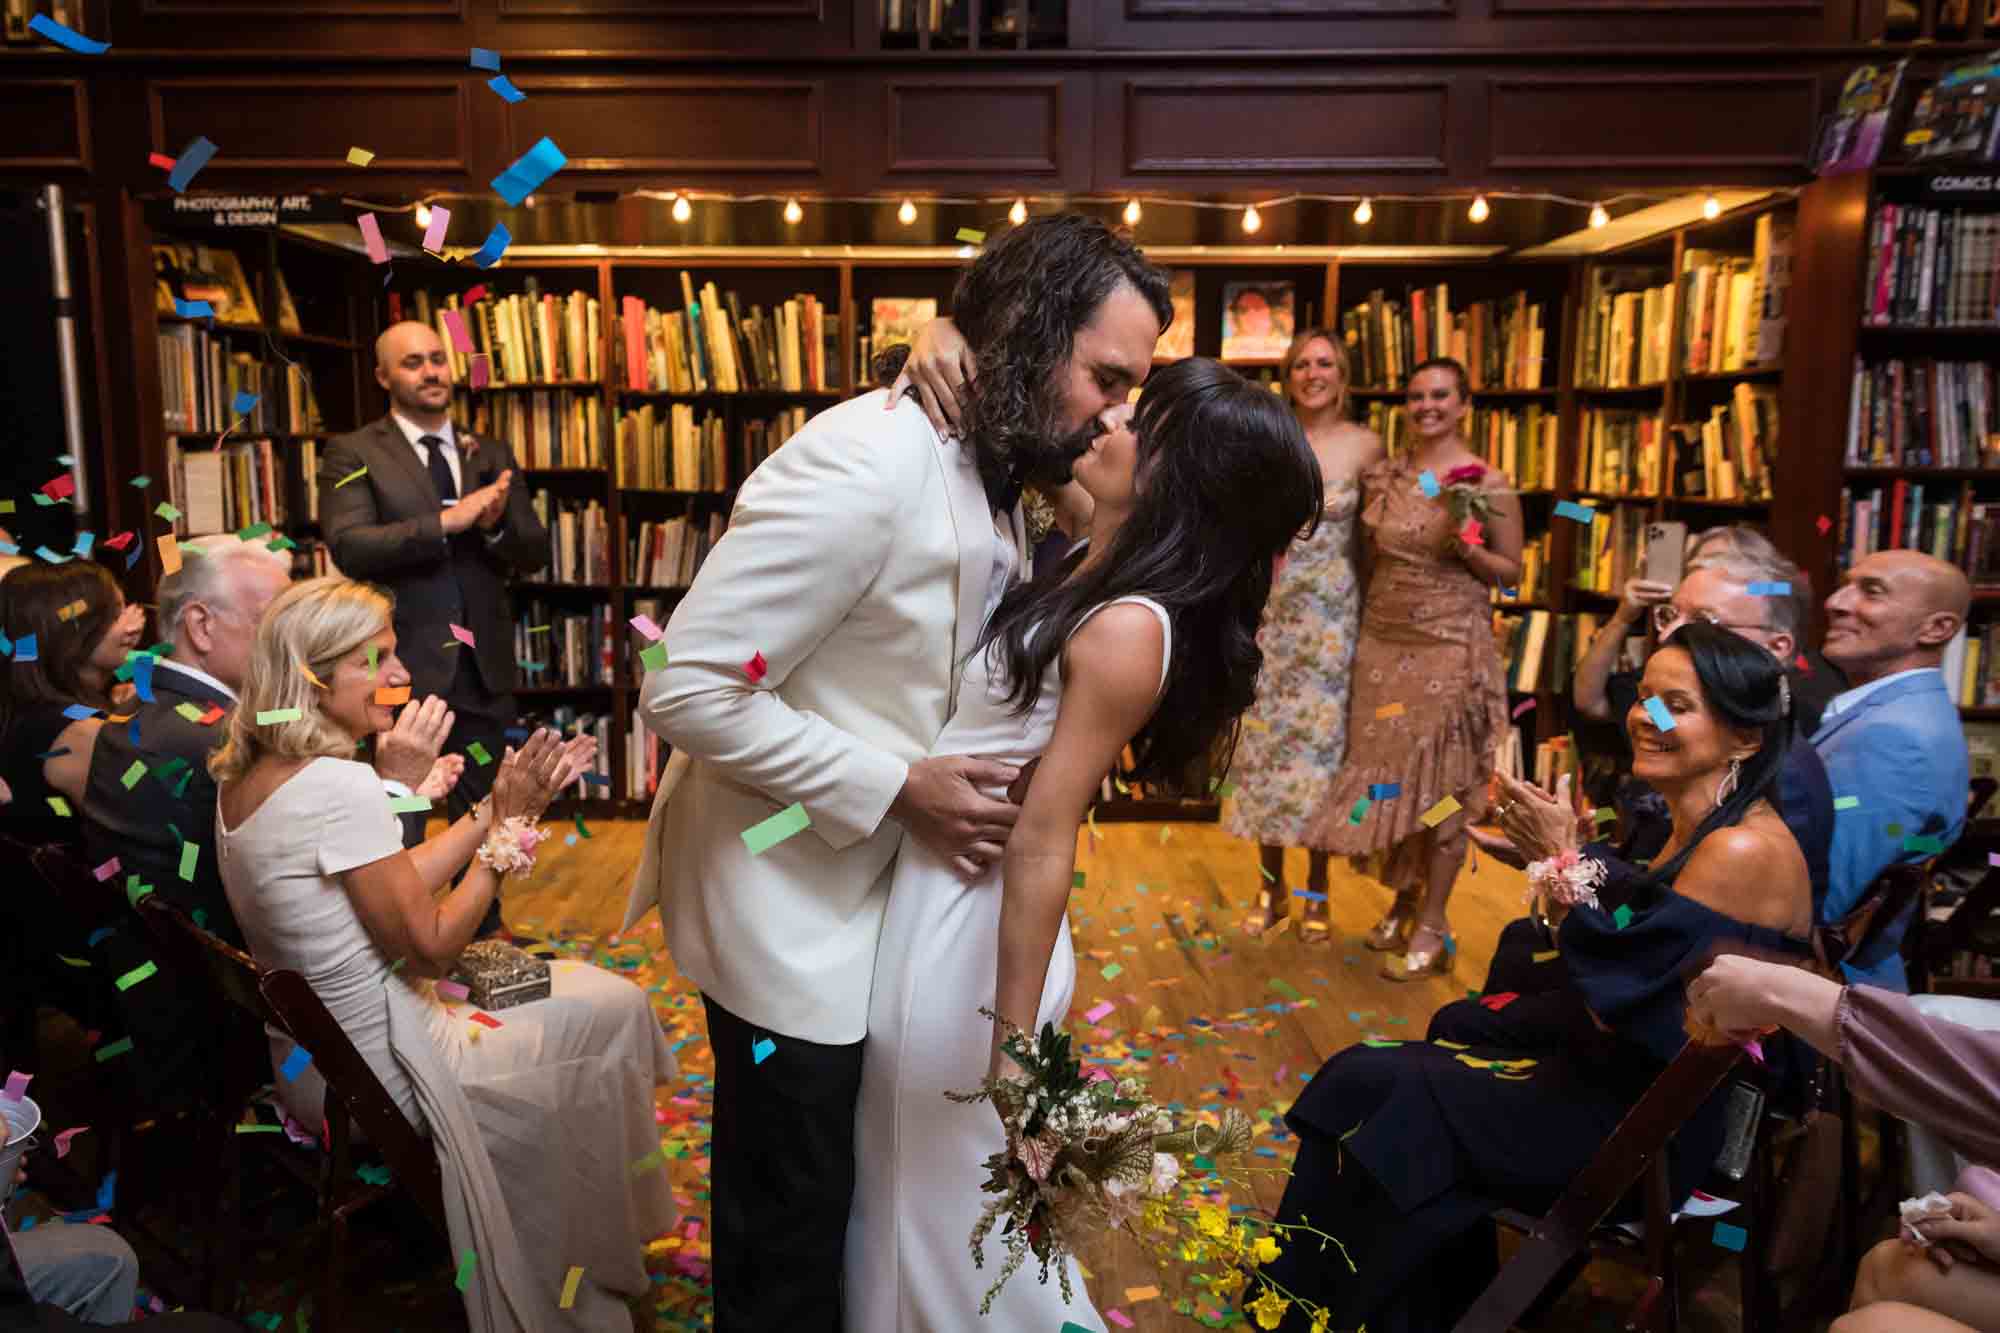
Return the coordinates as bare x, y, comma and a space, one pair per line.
1894, 891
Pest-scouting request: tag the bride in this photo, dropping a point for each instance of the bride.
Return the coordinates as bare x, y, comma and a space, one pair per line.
1147, 637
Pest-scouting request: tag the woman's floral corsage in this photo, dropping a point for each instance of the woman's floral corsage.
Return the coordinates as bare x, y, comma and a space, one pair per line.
510, 846
1569, 878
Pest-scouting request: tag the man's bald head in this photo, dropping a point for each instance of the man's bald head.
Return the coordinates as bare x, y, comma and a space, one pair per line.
410, 362
1894, 611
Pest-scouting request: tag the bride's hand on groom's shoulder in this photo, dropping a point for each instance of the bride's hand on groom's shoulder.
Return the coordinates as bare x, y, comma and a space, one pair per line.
944, 806
940, 367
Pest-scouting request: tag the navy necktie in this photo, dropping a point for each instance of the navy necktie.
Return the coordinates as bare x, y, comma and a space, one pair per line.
447, 489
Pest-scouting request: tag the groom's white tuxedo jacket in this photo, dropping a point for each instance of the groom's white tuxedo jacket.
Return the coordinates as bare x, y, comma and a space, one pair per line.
856, 562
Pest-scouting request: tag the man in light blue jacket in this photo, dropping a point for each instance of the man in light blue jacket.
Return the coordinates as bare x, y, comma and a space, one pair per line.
1892, 741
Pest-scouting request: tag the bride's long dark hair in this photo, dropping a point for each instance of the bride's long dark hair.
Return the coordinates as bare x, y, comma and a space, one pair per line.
1224, 480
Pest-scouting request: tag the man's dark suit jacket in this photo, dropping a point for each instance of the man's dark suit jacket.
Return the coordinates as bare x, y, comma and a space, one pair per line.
384, 528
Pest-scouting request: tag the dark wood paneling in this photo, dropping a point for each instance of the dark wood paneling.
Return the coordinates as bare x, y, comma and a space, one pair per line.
1614, 122
1635, 8
304, 11
309, 122
48, 124
1219, 129
1284, 9
724, 129
662, 10
971, 130
1512, 27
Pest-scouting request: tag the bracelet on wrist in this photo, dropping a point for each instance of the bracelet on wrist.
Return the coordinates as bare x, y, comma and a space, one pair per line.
510, 846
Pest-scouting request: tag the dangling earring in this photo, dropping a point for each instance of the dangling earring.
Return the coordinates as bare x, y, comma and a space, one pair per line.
1727, 788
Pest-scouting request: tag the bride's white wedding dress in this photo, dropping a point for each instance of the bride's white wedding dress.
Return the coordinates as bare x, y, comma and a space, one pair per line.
919, 1157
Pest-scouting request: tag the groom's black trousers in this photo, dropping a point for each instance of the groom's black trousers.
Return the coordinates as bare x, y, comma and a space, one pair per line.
781, 1177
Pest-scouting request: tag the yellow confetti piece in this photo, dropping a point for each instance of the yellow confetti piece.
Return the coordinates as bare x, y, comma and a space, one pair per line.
1440, 812
1389, 710
1449, 1045
73, 610
1548, 955
1252, 724
361, 157
60, 806
1166, 831
355, 475
569, 1288
307, 672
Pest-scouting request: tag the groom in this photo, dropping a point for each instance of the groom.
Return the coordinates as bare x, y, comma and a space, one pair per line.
815, 662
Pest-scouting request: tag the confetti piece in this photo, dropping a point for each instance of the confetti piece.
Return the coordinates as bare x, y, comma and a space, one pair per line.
478, 754
452, 990
1360, 811
568, 1299
475, 293
192, 159
486, 1020
434, 241
644, 624
1771, 589
73, 962
761, 1049
1382, 791
467, 1262
109, 870
61, 807
122, 1046
504, 86
529, 171
1657, 711
1134, 1295
295, 1064
481, 373
1847, 802
68, 37
1389, 710
1499, 1001
1285, 988
1731, 1237
389, 696
167, 511
1440, 812
1575, 512
653, 657
190, 854
1603, 815
787, 823
355, 475
17, 1082
1111, 971
78, 712
1472, 534
485, 58
1427, 482
160, 160
170, 555
359, 157
1623, 916
1547, 955
371, 236
463, 635
971, 236
1118, 1317
242, 404
582, 832
408, 805
1097, 1013
1824, 524
1894, 830
374, 655
271, 717
133, 774
756, 668
193, 309
1524, 706
1928, 846
139, 973
63, 1139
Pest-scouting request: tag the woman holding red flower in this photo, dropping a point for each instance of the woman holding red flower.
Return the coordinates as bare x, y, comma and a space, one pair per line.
1429, 699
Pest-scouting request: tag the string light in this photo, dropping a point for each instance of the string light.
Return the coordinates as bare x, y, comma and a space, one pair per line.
907, 214
423, 215
1132, 212
1480, 210
793, 213
1711, 208
1252, 221
1364, 213
682, 209
1598, 217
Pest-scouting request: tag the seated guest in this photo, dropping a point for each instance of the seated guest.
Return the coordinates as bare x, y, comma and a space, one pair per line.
538, 1120
1405, 1151
1942, 1075
81, 630
1893, 740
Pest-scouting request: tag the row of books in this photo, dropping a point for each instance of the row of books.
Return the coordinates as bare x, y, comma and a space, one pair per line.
1621, 452
1534, 584
571, 721
668, 553
530, 337
677, 450
1501, 344
1553, 758
1540, 649
1923, 414
1738, 446
1523, 442
1733, 306
1932, 266
1972, 666
579, 540
1612, 551
546, 428
1626, 313
711, 345
200, 379
1945, 521
227, 488
565, 647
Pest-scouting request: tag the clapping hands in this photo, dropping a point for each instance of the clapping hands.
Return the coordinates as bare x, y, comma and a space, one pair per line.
530, 777
408, 752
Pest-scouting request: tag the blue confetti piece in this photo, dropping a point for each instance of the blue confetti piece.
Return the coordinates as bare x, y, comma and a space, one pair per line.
85, 543
68, 37
53, 557
597, 779
1309, 895
482, 58
1658, 712
1570, 509
132, 732
1779, 589
1731, 1237
142, 677
1427, 482
495, 245
504, 86
8, 548
516, 734
761, 1049
192, 159
529, 171
245, 400
295, 1063
107, 1192
132, 556
79, 713
97, 935
1382, 791
193, 309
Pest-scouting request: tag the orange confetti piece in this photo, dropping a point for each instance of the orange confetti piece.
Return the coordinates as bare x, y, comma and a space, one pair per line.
388, 696
1133, 1295
1389, 710
170, 555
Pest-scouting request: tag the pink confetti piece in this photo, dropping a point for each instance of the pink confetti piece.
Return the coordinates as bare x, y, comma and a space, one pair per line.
1094, 1075
1472, 534
107, 870
1096, 1015
1118, 1317
1524, 706
17, 1086
644, 624
371, 236
464, 636
62, 1140
1824, 524
453, 990
756, 667
434, 234
1754, 1049
461, 339
474, 294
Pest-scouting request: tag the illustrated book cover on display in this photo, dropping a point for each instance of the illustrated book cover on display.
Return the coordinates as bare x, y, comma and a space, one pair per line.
1850, 139
1959, 116
1256, 320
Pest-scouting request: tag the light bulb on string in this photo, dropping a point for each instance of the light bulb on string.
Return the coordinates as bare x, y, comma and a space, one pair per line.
1018, 213
1598, 217
1364, 213
1252, 220
907, 214
793, 213
1132, 212
423, 215
1480, 210
682, 209
1711, 208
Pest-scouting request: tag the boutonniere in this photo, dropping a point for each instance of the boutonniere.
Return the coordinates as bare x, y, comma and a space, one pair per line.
468, 444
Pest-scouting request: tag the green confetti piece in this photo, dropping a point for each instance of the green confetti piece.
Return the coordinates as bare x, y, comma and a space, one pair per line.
1623, 916
1226, 790
253, 532
652, 1161
787, 823
135, 889
271, 717
1926, 845
355, 475
1076, 879
972, 235
281, 544
133, 774
1111, 971
1847, 802
653, 657
1603, 815
1285, 988
1380, 1044
61, 807
1360, 810
374, 653
260, 1129
190, 854
1894, 830
467, 1262
73, 962
581, 831
167, 511
137, 975
201, 919
1266, 873
478, 754
123, 1046
370, 1174
188, 711
140, 482
407, 805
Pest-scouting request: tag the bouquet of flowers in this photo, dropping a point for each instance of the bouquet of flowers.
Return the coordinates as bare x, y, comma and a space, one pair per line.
1082, 1154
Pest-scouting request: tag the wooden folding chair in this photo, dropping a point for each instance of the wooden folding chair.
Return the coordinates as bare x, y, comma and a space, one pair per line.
355, 1099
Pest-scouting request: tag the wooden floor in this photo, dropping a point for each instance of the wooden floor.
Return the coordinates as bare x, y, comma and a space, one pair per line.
1203, 1012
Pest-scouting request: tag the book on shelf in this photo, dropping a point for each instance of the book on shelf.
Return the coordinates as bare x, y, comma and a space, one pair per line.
711, 345
1850, 137
595, 784
1257, 320
1540, 650
558, 647
1733, 306
1534, 584
226, 487
1610, 552
528, 337
201, 373
1730, 455
1958, 117
1522, 441
1621, 452
1946, 521
1501, 344
645, 757
1177, 341
545, 428
579, 540
203, 273
668, 553
673, 448
1922, 413
1627, 312
1932, 266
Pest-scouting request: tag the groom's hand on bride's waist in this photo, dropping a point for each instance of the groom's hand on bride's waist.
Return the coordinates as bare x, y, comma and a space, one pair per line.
944, 806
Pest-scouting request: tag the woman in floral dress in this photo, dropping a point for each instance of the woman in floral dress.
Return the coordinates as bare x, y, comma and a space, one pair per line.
1295, 735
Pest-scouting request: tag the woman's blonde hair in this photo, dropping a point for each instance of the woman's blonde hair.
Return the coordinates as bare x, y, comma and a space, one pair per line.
311, 625
1340, 362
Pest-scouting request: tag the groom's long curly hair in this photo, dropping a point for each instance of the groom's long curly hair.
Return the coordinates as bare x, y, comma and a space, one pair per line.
1019, 307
